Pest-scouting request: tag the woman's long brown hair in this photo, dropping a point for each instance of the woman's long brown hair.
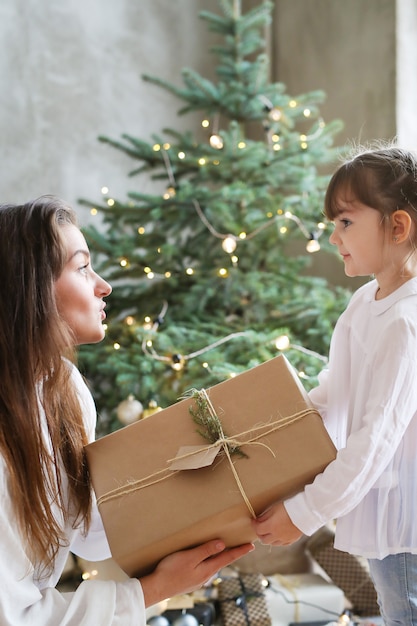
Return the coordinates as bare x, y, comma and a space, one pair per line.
37, 400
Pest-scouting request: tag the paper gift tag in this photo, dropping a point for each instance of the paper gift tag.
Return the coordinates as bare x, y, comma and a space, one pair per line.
194, 457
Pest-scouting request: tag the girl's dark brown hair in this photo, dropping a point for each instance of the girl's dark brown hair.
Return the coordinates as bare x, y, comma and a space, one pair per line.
384, 178
37, 399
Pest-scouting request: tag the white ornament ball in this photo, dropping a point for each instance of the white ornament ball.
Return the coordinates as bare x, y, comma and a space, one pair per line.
129, 411
186, 619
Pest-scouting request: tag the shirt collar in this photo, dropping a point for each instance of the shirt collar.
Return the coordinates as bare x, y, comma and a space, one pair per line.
380, 306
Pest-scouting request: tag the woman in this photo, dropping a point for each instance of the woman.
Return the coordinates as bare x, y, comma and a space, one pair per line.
51, 301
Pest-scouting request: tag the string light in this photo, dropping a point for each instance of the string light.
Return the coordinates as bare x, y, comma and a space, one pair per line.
313, 244
243, 235
177, 363
229, 244
283, 343
179, 360
216, 142
229, 240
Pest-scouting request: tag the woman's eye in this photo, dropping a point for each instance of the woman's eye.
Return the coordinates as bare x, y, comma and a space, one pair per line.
83, 269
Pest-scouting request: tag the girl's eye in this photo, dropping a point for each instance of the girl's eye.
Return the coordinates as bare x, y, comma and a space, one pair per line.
345, 223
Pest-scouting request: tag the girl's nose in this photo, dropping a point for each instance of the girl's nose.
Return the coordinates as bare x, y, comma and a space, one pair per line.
333, 239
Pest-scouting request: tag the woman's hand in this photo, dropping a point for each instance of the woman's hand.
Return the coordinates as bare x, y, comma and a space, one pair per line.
188, 570
274, 527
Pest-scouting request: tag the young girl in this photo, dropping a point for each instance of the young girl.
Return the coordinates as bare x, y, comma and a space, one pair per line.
368, 394
50, 301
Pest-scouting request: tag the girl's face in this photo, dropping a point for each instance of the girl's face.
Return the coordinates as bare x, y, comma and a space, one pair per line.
359, 235
79, 291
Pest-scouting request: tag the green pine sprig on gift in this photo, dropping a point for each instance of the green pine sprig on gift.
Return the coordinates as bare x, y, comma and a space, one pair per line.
210, 427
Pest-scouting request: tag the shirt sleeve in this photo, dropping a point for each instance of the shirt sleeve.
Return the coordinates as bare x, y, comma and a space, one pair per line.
318, 395
23, 603
391, 405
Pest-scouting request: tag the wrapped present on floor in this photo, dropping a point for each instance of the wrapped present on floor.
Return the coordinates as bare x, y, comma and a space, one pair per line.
242, 600
302, 598
162, 486
349, 572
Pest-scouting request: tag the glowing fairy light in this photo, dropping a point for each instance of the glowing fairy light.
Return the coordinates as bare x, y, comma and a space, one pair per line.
313, 244
216, 142
282, 342
229, 244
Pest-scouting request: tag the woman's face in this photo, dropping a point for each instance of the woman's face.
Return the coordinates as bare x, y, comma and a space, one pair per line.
79, 291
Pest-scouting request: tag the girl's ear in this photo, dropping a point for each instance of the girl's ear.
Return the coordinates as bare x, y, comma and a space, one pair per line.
401, 225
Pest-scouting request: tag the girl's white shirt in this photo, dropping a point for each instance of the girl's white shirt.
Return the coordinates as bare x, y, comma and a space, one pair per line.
28, 600
367, 397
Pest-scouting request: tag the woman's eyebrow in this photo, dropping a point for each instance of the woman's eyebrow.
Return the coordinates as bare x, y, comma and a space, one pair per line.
85, 253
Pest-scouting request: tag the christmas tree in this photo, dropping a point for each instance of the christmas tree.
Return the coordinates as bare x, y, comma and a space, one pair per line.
208, 276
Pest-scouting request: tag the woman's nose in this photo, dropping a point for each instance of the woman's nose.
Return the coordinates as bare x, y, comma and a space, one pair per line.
103, 287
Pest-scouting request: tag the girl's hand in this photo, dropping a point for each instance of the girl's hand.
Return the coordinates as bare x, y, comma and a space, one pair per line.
187, 570
274, 527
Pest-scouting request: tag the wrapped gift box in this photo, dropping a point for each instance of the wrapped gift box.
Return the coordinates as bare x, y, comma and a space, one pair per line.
151, 508
303, 598
242, 601
349, 572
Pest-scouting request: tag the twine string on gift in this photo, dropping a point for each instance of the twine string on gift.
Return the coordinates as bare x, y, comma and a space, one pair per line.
224, 442
292, 588
254, 434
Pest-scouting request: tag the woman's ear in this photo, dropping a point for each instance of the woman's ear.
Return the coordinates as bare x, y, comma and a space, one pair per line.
401, 225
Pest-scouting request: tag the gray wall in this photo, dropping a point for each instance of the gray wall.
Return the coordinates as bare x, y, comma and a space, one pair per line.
348, 49
70, 70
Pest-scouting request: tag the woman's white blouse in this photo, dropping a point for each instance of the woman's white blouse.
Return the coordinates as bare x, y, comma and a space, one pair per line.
368, 399
27, 600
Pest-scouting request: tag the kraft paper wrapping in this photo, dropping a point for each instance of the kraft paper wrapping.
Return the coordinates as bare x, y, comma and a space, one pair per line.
144, 522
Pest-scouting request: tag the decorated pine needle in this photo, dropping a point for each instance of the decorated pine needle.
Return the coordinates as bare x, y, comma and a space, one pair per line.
210, 427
